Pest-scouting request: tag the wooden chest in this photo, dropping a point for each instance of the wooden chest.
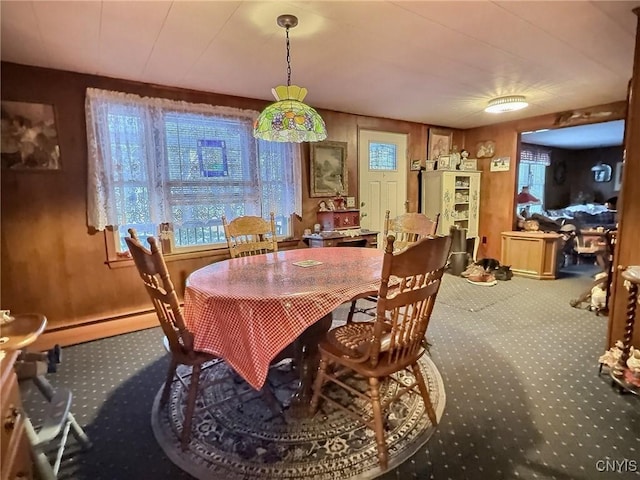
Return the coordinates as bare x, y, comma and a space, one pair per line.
339, 220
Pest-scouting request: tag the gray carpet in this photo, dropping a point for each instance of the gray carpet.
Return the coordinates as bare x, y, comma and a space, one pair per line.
524, 399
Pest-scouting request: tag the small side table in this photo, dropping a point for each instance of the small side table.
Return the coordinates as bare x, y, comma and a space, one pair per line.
22, 331
531, 254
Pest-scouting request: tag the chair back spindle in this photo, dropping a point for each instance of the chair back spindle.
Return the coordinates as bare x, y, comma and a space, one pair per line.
250, 235
157, 281
408, 228
394, 342
409, 286
155, 275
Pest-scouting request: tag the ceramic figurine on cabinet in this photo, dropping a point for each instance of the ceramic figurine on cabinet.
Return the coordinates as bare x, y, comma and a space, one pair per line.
464, 154
456, 158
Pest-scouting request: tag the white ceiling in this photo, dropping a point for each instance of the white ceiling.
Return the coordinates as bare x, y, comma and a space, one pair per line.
431, 62
607, 134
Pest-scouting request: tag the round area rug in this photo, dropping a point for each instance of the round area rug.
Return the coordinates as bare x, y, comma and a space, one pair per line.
242, 438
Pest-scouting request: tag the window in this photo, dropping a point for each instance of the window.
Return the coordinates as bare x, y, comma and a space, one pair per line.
176, 168
382, 156
532, 172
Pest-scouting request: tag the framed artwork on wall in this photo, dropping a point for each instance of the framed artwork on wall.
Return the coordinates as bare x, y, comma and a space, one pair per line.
601, 173
440, 141
469, 164
500, 164
328, 169
617, 182
29, 136
486, 149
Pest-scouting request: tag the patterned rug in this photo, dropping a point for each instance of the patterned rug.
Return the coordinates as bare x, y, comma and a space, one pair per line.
243, 439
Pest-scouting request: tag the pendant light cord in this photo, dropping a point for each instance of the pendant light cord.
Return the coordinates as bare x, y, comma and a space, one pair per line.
288, 60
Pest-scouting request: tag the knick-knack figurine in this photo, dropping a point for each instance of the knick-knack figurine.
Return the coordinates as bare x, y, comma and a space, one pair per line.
634, 362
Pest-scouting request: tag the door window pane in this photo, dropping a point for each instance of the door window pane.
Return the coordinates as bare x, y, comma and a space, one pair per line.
382, 156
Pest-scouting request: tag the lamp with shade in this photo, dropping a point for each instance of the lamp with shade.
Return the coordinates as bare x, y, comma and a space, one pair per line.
525, 199
289, 119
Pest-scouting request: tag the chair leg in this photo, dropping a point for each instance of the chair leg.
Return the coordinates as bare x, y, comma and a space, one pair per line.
374, 392
424, 391
167, 384
191, 403
317, 385
352, 310
271, 399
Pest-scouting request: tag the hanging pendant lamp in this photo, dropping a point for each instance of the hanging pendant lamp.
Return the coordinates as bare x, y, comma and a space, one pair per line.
288, 119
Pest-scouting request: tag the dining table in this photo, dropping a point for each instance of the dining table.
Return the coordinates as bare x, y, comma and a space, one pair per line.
247, 310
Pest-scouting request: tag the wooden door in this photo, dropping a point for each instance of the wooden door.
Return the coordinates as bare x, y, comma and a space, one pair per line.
382, 173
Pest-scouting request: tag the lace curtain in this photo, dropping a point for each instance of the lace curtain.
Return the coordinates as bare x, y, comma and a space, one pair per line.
535, 154
155, 160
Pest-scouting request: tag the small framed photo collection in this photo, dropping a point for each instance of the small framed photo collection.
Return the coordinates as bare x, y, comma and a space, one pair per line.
445, 162
469, 164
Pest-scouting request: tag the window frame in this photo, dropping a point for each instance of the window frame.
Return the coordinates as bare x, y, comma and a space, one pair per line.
264, 170
536, 156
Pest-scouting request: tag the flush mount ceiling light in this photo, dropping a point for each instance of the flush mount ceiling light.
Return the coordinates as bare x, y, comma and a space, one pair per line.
289, 120
509, 103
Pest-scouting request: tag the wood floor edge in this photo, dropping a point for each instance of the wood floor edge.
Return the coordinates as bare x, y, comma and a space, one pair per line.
72, 335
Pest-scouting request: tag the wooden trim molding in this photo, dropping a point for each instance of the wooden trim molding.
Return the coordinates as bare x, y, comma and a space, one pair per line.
94, 329
216, 254
86, 332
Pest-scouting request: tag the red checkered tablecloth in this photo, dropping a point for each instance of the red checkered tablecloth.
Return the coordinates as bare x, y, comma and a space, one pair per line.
246, 310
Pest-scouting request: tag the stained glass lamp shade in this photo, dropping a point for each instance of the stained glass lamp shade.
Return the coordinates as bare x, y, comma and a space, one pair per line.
288, 119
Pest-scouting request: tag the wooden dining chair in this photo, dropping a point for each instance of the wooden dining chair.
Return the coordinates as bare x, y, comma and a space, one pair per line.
407, 228
393, 342
155, 275
249, 235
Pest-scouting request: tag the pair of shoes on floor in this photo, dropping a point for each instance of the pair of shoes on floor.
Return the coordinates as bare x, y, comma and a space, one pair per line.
473, 269
484, 279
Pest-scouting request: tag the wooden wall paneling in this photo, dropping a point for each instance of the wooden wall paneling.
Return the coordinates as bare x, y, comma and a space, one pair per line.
497, 200
579, 177
558, 195
497, 189
627, 251
52, 263
582, 180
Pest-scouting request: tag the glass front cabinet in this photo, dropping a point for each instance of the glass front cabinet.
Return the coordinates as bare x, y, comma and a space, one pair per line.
455, 195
